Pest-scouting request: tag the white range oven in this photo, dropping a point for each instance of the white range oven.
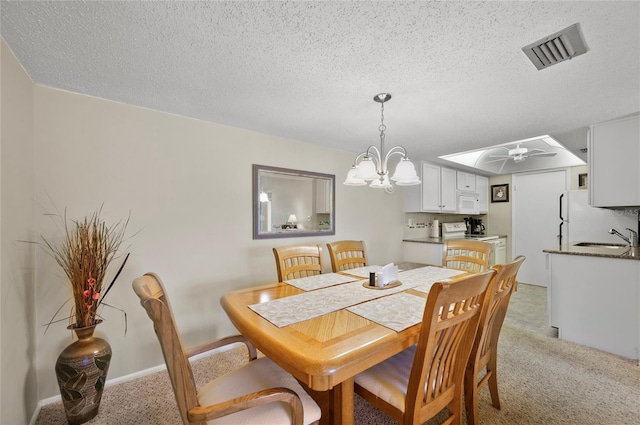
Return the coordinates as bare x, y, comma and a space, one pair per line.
498, 244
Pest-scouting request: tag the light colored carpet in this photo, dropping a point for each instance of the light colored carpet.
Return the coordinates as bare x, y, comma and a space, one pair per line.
528, 310
542, 380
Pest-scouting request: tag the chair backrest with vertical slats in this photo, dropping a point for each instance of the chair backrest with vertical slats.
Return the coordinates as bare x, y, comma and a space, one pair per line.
449, 326
491, 324
296, 261
467, 255
346, 255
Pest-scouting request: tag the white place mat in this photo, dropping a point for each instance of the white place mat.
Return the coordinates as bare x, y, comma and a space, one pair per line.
422, 278
396, 312
297, 308
319, 281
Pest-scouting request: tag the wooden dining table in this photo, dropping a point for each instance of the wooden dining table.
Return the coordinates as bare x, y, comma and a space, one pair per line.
324, 353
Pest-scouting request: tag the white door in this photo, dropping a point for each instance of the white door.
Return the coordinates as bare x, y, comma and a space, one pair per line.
535, 221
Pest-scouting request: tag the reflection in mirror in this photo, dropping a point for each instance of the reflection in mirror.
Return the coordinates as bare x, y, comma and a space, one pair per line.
291, 203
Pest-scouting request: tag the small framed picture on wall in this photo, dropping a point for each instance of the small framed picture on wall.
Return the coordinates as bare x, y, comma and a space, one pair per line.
500, 193
582, 180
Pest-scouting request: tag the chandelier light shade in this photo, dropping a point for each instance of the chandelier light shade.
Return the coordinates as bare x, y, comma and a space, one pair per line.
367, 170
352, 180
405, 173
371, 165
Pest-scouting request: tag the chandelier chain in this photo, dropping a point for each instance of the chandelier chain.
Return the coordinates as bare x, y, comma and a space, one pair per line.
382, 128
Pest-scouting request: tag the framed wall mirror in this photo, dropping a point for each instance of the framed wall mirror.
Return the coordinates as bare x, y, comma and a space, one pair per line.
292, 203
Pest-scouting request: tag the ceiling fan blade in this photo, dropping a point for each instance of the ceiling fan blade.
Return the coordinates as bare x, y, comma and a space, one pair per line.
505, 158
535, 150
543, 154
500, 156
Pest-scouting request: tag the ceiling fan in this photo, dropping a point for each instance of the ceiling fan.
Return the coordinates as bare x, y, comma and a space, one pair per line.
519, 154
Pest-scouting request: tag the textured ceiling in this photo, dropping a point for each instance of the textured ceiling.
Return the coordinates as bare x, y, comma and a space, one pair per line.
309, 70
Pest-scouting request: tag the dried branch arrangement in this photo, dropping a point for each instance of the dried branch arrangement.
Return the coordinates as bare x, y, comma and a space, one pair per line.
85, 253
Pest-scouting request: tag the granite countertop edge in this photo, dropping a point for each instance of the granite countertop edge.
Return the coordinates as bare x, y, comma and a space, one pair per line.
424, 240
439, 240
590, 252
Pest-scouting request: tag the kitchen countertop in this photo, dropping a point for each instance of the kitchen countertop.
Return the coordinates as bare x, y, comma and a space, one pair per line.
595, 251
424, 240
440, 240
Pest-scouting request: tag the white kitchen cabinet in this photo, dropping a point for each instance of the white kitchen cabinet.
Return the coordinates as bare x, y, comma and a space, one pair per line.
595, 301
614, 163
425, 253
498, 250
465, 181
482, 187
436, 193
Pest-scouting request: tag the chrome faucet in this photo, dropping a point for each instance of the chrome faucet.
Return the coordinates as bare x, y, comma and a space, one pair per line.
632, 240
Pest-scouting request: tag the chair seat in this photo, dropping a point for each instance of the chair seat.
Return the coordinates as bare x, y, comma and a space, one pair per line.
260, 374
389, 380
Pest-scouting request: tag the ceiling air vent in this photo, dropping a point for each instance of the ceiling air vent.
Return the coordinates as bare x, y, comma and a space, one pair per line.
557, 47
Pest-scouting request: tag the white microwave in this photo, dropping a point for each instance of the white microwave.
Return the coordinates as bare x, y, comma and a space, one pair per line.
467, 203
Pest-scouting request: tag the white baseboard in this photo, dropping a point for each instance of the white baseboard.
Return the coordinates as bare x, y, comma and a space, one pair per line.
35, 414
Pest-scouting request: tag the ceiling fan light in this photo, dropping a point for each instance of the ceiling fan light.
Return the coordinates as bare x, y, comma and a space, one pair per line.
405, 171
366, 170
518, 151
351, 179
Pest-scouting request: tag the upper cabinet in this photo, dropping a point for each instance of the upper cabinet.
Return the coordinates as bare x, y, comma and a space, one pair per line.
436, 193
482, 187
466, 181
614, 163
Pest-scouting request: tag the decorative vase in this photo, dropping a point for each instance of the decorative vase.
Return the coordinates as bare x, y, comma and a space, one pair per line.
82, 369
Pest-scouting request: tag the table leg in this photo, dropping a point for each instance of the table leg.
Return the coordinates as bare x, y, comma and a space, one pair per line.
336, 404
343, 403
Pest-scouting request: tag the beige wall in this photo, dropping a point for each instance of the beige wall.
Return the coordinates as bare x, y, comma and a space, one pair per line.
187, 184
17, 330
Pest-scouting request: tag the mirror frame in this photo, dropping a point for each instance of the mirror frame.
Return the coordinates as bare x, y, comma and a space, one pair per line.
258, 234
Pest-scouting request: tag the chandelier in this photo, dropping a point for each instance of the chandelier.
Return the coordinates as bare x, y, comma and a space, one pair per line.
371, 165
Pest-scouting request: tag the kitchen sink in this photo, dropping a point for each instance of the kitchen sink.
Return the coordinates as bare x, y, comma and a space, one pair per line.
601, 245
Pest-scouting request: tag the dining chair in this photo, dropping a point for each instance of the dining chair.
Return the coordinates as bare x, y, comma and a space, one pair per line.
259, 392
467, 255
346, 255
295, 261
484, 354
419, 382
